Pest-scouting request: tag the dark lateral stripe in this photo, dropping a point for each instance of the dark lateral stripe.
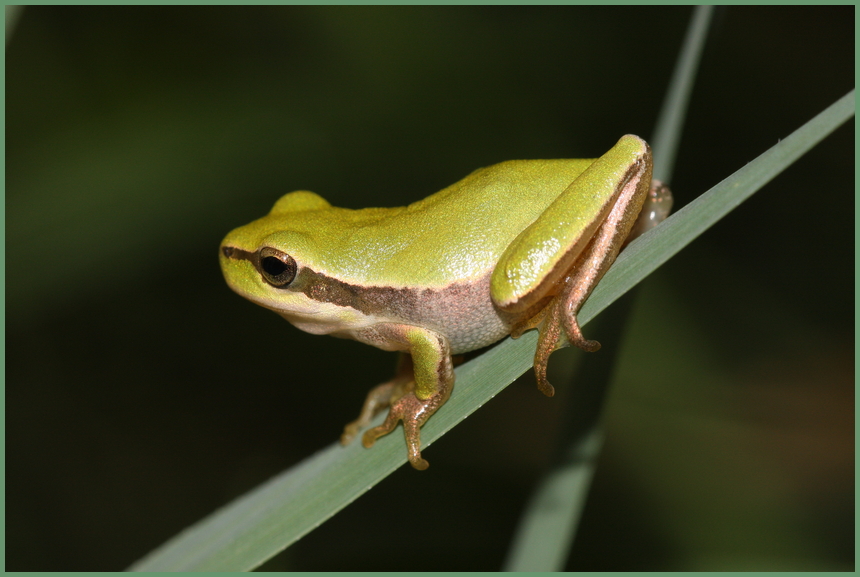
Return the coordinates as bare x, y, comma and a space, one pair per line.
382, 301
239, 254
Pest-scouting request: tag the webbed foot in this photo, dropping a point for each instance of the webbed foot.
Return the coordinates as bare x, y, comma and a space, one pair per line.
414, 413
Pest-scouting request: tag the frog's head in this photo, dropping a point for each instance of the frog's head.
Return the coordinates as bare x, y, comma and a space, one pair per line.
274, 262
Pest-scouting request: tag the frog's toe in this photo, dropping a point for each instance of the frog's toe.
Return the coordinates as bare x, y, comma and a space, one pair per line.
548, 340
349, 433
377, 399
575, 336
370, 436
418, 463
543, 383
412, 431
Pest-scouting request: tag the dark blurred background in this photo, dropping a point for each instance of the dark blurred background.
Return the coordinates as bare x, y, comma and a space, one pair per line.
141, 392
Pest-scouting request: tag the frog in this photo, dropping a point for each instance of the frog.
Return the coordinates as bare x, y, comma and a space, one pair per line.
512, 247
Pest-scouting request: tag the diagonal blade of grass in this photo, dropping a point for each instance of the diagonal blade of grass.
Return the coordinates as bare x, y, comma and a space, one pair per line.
256, 526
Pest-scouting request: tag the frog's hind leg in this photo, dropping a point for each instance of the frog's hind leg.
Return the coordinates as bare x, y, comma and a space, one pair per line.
381, 397
601, 253
589, 268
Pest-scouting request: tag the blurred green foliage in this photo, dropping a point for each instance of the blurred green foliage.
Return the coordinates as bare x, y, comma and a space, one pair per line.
142, 394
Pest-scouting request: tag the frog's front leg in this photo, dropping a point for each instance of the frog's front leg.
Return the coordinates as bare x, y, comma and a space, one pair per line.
433, 380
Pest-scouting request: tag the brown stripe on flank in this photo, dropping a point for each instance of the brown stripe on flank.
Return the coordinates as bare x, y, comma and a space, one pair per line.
319, 287
372, 300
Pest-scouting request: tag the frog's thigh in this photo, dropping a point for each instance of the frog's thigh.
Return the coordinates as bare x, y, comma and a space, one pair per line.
545, 252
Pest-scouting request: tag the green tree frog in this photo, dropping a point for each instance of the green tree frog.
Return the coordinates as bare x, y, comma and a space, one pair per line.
511, 247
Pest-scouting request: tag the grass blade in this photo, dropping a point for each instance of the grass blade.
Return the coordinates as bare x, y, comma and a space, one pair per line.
670, 122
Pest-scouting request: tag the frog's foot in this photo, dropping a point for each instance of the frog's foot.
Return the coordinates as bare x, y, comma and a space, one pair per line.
413, 412
532, 320
381, 397
548, 342
567, 304
574, 333
559, 317
377, 399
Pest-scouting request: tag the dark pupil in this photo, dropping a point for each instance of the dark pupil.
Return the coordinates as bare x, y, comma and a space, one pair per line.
273, 266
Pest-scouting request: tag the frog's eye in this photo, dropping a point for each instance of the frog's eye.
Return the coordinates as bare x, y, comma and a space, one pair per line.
278, 268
